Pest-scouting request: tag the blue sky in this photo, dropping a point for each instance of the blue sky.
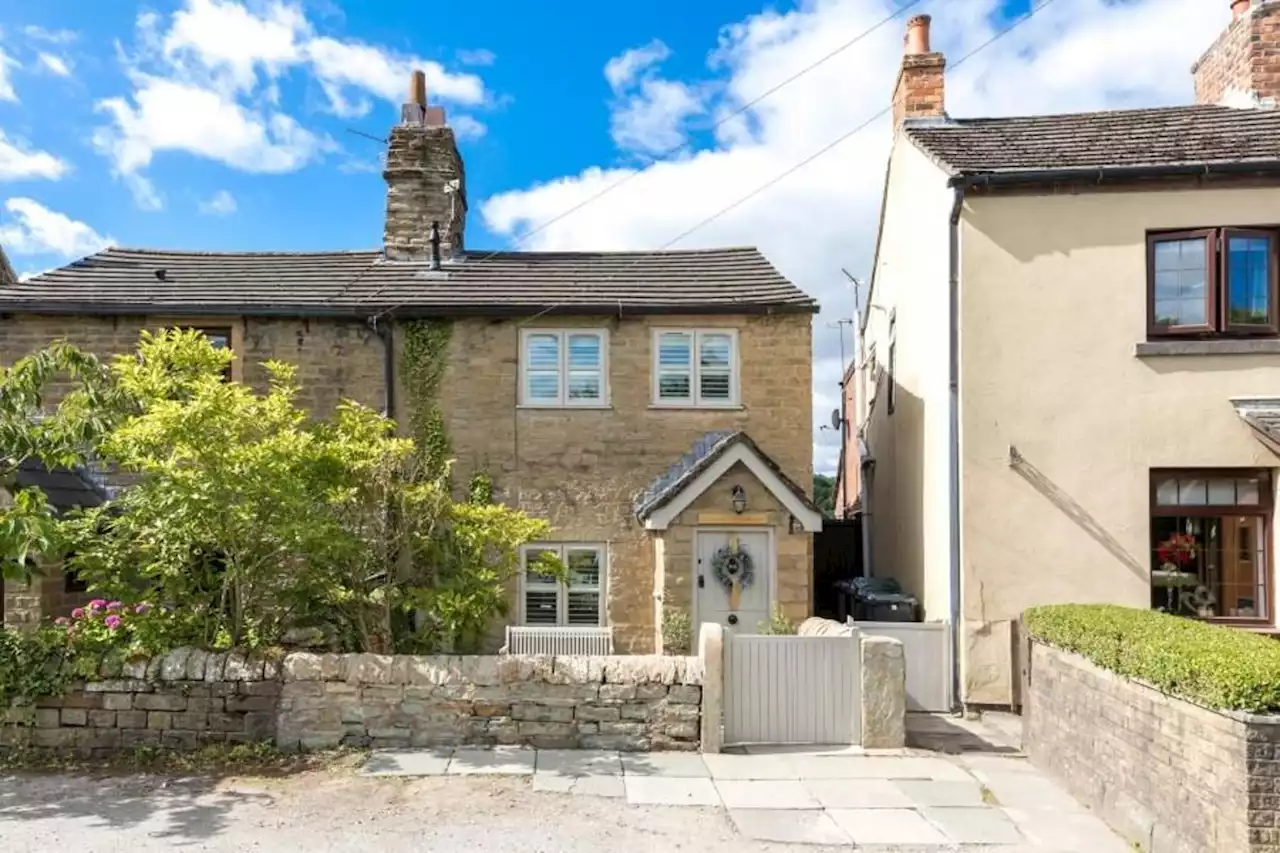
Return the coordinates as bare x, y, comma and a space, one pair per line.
224, 124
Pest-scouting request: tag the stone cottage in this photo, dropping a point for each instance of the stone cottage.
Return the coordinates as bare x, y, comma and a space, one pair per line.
654, 407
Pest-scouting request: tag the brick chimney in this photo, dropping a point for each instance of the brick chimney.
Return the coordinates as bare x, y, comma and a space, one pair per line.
919, 93
425, 182
1242, 68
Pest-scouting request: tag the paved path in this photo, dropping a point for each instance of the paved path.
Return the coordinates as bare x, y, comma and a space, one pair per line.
889, 801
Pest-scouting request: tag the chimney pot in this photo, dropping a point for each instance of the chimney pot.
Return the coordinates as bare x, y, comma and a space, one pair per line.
418, 89
918, 35
1239, 8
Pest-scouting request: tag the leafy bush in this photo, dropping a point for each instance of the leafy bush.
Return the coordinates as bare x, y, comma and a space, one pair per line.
34, 664
677, 632
778, 623
1209, 664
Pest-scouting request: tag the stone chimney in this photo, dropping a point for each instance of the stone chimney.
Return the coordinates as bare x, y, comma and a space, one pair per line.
425, 182
1242, 68
919, 93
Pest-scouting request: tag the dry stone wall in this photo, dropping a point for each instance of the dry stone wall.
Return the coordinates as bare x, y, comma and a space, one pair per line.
625, 703
183, 700
1170, 775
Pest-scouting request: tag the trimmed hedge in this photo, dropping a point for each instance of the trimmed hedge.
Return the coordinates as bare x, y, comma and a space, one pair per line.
1208, 664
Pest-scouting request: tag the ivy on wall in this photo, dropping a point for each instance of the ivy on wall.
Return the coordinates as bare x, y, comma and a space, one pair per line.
426, 343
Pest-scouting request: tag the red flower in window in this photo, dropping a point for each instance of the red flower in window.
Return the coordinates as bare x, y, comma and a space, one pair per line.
1178, 550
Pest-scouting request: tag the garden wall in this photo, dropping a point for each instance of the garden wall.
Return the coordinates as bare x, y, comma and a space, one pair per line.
625, 703
1170, 775
182, 700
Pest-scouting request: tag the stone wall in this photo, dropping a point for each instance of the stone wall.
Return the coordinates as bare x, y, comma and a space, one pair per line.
183, 700
1170, 775
625, 703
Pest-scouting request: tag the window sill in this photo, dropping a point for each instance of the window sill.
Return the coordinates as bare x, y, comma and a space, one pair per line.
1225, 346
696, 407
551, 407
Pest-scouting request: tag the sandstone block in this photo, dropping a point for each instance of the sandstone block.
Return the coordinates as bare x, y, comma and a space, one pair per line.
102, 719
117, 701
623, 728
159, 702
242, 668
120, 686
553, 729
136, 668
160, 720
215, 667
302, 666
131, 719
683, 694
617, 693
650, 692
173, 666
542, 713
74, 717
597, 714
622, 743
196, 663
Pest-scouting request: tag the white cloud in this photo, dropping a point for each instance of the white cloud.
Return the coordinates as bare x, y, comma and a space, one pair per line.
627, 66
19, 162
37, 33
467, 127
227, 37
824, 216
222, 203
55, 64
33, 229
7, 63
373, 70
144, 192
479, 56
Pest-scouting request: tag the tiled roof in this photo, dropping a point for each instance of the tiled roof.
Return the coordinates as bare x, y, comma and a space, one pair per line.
736, 280
706, 450
1167, 136
64, 487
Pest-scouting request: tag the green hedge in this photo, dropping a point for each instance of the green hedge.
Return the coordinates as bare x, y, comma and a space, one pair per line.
1208, 664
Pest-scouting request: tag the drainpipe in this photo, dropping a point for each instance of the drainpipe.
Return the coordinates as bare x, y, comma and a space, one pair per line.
953, 439
386, 331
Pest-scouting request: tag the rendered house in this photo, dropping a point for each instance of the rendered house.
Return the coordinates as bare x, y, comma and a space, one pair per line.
1071, 356
653, 406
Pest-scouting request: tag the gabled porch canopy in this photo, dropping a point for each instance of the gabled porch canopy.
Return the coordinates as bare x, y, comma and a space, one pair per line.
713, 455
1262, 414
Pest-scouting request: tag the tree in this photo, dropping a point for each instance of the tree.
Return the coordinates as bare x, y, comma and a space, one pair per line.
824, 494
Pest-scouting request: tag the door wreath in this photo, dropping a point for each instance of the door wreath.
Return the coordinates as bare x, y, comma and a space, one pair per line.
734, 570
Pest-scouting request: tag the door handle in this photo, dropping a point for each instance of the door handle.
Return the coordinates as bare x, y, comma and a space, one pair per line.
702, 582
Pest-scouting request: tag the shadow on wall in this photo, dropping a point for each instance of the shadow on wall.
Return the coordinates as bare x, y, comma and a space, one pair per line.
897, 487
179, 811
1074, 511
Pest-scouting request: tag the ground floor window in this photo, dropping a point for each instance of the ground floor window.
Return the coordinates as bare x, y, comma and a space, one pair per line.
1210, 536
578, 602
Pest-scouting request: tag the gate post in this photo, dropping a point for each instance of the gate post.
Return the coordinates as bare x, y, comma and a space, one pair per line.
711, 651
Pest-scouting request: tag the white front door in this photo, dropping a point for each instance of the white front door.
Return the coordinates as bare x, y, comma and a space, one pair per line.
717, 600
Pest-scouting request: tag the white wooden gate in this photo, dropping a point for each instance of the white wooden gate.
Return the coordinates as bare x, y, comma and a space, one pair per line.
787, 689
927, 646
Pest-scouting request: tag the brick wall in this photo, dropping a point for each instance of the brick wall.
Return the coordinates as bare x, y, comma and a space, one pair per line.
1244, 60
1170, 775
626, 703
182, 700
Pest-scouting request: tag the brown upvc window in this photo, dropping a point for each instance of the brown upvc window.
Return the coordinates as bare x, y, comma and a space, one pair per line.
220, 337
1213, 282
1211, 544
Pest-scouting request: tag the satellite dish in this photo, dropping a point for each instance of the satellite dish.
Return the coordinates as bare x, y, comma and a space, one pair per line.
836, 420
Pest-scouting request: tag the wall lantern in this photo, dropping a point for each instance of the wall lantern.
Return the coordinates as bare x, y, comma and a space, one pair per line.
739, 499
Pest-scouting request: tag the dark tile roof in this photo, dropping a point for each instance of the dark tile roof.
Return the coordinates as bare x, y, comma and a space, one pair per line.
739, 280
706, 450
65, 488
1166, 136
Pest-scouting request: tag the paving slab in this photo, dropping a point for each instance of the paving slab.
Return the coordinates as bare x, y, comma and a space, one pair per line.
553, 783
599, 786
1018, 789
407, 762
750, 766
670, 791
983, 825
764, 794
671, 764
788, 827
877, 767
578, 762
1067, 832
496, 761
857, 794
935, 792
801, 749
887, 826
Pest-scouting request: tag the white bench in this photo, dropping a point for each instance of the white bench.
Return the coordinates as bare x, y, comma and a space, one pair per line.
558, 641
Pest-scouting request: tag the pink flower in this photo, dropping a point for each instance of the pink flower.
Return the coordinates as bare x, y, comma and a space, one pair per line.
142, 608
78, 613
62, 620
112, 621
114, 606
97, 604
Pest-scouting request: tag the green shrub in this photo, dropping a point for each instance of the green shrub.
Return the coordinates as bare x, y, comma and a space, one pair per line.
777, 623
1209, 664
677, 632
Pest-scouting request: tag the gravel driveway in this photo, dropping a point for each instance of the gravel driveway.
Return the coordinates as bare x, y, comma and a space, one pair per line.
336, 811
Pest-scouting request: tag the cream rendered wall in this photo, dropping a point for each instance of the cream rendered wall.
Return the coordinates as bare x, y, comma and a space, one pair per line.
1053, 300
909, 492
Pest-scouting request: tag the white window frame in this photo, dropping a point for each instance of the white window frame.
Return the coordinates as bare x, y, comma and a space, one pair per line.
695, 399
563, 589
562, 400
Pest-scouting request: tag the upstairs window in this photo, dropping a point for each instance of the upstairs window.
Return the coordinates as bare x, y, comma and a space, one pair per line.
577, 603
563, 367
1212, 282
695, 367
